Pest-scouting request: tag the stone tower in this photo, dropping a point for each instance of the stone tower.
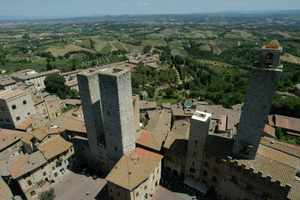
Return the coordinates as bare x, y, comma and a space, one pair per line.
258, 101
108, 112
90, 96
117, 111
199, 130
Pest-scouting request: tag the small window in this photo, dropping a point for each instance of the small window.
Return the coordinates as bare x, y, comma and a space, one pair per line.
192, 170
14, 107
55, 174
29, 182
137, 194
28, 113
145, 187
116, 149
44, 173
298, 173
234, 179
214, 179
18, 118
24, 102
249, 187
32, 193
204, 173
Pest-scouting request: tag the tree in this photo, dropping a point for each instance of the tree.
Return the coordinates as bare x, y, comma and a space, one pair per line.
49, 64
26, 36
279, 133
147, 49
73, 94
47, 195
55, 84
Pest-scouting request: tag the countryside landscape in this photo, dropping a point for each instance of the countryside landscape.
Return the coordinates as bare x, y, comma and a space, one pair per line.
138, 107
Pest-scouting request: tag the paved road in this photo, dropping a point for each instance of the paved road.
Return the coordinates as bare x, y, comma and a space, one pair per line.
78, 187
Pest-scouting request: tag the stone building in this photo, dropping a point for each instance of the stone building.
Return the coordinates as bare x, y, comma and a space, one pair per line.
16, 108
117, 111
31, 77
258, 101
135, 177
174, 149
71, 79
42, 167
108, 111
90, 96
199, 130
270, 171
289, 125
6, 83
5, 192
136, 114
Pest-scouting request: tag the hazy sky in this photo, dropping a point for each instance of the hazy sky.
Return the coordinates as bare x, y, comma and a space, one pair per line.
62, 8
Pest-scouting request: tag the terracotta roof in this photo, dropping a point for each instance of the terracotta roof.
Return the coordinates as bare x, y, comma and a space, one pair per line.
27, 74
146, 105
24, 164
74, 102
180, 131
177, 110
278, 160
27, 138
289, 149
134, 168
177, 140
285, 122
72, 83
222, 123
25, 124
8, 94
54, 146
9, 137
233, 115
5, 193
147, 139
6, 80
71, 122
40, 133
159, 124
269, 131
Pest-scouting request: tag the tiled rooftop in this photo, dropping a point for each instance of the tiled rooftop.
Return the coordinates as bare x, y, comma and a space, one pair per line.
8, 94
134, 168
24, 164
54, 146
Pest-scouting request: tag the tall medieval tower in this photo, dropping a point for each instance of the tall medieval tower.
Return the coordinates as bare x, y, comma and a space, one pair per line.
200, 123
117, 111
108, 112
258, 101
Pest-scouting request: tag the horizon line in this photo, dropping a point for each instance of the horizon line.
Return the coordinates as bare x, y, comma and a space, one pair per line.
28, 18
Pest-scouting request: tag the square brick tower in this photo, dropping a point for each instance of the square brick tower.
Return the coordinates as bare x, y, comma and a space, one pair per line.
258, 101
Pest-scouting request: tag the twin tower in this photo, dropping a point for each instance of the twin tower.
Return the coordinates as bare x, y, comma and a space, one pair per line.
108, 111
